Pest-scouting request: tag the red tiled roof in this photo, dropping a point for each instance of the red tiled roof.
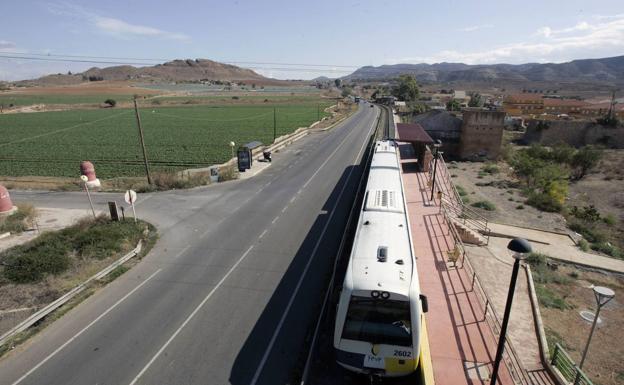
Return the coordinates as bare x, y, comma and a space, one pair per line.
413, 132
564, 102
520, 98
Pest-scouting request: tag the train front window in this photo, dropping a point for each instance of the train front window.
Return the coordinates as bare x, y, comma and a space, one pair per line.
378, 321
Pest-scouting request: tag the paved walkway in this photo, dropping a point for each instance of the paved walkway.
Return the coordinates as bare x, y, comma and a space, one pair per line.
557, 246
462, 344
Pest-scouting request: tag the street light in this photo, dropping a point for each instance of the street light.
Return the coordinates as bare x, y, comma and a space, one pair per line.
521, 248
232, 144
436, 154
602, 295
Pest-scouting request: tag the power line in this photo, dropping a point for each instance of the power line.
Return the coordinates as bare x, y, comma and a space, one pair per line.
160, 60
286, 69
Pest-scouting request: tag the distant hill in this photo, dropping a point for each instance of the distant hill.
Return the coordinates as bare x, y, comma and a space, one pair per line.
586, 70
176, 70
322, 79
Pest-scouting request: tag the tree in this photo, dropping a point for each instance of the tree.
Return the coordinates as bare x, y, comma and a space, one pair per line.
346, 91
584, 160
453, 105
337, 82
406, 89
475, 100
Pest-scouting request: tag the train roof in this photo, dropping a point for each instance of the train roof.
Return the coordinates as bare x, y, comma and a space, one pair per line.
382, 257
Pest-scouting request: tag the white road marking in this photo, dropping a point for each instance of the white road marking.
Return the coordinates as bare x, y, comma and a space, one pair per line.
69, 341
293, 199
307, 266
188, 319
327, 160
263, 233
275, 219
285, 208
181, 252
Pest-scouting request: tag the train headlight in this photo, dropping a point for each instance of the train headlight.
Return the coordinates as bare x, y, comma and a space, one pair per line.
375, 294
385, 295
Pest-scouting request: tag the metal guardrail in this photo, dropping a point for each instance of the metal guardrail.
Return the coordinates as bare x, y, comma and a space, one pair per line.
36, 317
459, 244
567, 367
457, 208
510, 356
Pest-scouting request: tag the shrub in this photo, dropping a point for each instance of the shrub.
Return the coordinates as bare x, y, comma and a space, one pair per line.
48, 254
587, 213
18, 221
520, 207
110, 102
490, 168
485, 205
53, 252
588, 231
550, 299
544, 202
609, 220
607, 248
461, 190
583, 245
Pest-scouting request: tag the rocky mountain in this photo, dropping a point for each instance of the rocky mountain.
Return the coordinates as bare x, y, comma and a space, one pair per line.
586, 70
176, 70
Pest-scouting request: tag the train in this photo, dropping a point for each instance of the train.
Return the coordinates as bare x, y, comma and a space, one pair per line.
379, 315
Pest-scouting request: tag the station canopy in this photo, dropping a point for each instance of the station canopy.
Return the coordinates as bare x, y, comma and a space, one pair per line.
413, 132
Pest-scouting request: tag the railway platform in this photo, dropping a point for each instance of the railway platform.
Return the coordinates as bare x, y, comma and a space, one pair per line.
462, 345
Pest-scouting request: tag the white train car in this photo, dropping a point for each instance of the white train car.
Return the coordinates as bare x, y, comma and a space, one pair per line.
378, 319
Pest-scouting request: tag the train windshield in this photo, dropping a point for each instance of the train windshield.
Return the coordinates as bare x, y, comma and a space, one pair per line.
378, 321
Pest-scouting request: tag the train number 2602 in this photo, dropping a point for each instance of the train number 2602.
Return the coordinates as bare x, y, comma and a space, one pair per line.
401, 353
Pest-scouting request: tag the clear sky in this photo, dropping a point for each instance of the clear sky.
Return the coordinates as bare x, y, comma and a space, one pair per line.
334, 33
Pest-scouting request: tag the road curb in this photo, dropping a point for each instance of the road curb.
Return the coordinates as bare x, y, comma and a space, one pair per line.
36, 317
5, 235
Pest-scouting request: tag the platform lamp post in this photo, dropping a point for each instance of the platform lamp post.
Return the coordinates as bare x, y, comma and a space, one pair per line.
521, 248
602, 295
437, 144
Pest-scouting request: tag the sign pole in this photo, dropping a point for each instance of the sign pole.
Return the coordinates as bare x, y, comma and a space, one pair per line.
130, 197
84, 180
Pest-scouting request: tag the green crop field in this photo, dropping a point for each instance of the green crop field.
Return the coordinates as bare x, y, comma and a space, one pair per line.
27, 100
53, 143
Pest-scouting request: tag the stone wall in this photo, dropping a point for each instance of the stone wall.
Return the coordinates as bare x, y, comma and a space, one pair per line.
574, 133
482, 134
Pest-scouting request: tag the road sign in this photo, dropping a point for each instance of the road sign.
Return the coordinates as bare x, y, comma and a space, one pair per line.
130, 197
84, 178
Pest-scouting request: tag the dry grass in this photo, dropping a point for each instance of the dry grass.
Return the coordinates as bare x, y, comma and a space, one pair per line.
604, 363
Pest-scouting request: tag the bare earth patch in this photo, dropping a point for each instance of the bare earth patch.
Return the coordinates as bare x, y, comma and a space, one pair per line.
604, 360
504, 191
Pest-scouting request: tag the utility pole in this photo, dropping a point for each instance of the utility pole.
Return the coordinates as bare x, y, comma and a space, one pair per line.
274, 124
138, 118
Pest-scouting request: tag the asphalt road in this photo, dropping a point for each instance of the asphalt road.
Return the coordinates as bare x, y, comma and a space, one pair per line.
230, 290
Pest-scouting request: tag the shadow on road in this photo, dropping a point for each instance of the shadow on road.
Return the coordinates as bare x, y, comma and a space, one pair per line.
284, 361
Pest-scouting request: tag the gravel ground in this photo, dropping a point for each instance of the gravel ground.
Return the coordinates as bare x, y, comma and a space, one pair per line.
503, 190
